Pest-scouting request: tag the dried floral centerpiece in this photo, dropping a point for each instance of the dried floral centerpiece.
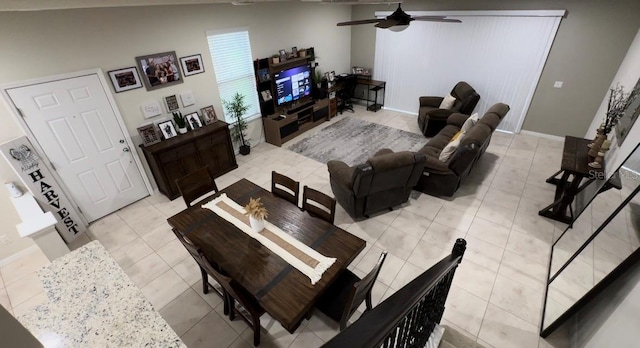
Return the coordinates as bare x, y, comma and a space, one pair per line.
257, 214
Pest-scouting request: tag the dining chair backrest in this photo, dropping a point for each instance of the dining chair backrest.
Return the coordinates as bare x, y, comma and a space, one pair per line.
237, 293
195, 185
191, 248
325, 207
362, 290
285, 187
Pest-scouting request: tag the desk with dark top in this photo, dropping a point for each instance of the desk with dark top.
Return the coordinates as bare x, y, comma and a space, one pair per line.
574, 168
373, 86
285, 293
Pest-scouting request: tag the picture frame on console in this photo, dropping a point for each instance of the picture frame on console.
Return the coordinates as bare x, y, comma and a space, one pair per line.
149, 134
193, 120
208, 114
159, 70
168, 129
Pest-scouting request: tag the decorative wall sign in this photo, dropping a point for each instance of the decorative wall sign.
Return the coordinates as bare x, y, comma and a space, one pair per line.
171, 102
187, 98
151, 109
21, 155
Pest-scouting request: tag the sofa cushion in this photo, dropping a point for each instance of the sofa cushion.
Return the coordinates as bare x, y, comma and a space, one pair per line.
441, 139
448, 150
447, 102
490, 120
469, 122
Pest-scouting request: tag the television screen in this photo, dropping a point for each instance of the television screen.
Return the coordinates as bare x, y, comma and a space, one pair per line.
293, 84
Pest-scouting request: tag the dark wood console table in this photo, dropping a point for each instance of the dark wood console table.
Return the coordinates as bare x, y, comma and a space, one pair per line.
574, 168
174, 158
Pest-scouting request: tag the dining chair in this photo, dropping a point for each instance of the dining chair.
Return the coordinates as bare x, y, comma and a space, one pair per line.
195, 185
347, 293
285, 187
195, 253
237, 293
325, 207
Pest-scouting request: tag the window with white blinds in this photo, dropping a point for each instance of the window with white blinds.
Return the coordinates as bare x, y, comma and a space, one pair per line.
233, 66
500, 53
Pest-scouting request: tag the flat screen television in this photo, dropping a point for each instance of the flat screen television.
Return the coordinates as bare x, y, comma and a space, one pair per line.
292, 84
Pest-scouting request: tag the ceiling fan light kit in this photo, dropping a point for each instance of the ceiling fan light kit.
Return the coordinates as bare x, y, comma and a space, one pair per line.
399, 20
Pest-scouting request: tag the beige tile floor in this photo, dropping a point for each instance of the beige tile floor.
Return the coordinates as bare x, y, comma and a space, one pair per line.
497, 293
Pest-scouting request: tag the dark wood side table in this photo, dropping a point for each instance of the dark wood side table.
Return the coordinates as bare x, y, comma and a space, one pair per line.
574, 169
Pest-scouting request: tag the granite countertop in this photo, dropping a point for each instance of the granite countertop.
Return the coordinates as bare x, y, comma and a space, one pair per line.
92, 303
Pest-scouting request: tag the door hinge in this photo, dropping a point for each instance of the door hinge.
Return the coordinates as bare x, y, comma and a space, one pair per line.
53, 167
80, 210
20, 112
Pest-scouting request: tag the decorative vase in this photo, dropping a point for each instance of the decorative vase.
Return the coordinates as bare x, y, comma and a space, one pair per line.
182, 130
595, 148
256, 225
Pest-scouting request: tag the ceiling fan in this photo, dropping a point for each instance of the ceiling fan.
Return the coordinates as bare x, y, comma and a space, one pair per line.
399, 20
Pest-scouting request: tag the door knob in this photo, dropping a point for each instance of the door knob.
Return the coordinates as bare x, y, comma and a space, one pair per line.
126, 149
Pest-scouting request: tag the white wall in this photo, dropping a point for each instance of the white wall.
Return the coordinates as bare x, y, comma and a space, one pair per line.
43, 43
627, 75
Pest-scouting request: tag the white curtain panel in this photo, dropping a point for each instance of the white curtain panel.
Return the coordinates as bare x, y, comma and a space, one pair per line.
501, 57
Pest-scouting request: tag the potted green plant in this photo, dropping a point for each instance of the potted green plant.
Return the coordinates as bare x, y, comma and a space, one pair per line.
180, 121
236, 108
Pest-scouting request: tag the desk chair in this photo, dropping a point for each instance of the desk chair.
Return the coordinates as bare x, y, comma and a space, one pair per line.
345, 94
195, 185
347, 293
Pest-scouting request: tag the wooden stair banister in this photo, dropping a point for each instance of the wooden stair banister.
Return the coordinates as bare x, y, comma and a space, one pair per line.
405, 318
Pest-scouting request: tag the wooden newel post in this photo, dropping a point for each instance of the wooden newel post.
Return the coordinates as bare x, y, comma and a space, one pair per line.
459, 247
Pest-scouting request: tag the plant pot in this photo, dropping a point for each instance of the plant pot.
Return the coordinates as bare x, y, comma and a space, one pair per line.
182, 130
256, 225
245, 149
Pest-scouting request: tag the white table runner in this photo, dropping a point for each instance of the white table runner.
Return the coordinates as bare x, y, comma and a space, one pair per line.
321, 262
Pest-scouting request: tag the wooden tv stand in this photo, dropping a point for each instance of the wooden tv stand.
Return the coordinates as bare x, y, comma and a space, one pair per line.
282, 127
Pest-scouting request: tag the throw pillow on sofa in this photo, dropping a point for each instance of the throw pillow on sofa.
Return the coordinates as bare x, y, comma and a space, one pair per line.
470, 122
447, 102
450, 148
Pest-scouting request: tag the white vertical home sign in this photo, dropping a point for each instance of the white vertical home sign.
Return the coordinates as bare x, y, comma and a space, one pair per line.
21, 155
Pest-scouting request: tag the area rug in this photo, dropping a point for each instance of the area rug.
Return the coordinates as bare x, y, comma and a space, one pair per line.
354, 141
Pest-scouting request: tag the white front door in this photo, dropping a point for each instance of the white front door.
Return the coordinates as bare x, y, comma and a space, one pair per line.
77, 128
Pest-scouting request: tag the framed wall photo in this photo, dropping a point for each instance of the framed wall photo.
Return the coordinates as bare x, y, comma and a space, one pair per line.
159, 70
125, 79
171, 102
209, 114
193, 120
167, 129
149, 134
192, 65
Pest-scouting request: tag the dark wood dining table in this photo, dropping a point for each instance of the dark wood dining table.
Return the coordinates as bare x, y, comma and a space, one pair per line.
283, 291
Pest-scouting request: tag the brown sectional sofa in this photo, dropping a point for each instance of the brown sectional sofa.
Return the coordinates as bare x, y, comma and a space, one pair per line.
443, 178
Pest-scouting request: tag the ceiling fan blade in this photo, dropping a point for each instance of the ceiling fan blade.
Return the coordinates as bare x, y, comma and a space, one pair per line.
436, 19
386, 23
362, 21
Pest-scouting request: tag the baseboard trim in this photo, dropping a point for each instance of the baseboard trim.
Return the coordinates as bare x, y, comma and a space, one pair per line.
18, 255
542, 135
